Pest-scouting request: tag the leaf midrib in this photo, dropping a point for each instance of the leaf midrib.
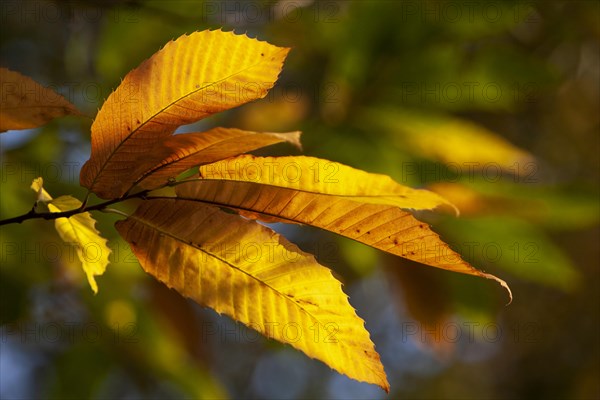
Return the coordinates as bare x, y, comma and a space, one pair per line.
351, 196
291, 220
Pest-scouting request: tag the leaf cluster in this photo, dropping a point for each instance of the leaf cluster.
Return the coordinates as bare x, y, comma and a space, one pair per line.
205, 235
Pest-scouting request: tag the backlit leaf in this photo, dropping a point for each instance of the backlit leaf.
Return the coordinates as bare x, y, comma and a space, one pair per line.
78, 230
38, 187
365, 207
179, 153
247, 271
26, 104
315, 175
461, 144
189, 79
543, 205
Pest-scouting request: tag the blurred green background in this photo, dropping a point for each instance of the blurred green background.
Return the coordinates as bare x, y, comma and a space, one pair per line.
494, 104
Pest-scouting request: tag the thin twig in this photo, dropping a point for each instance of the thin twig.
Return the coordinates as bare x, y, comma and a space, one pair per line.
32, 214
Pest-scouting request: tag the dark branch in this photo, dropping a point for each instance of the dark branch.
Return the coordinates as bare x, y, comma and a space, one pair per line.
32, 214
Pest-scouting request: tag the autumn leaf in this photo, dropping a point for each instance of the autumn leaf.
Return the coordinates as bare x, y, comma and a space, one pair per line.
368, 208
78, 230
26, 104
178, 153
245, 270
459, 143
189, 79
42, 195
230, 263
314, 175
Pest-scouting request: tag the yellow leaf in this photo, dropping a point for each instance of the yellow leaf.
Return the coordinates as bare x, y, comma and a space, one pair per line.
178, 153
247, 271
191, 78
38, 187
358, 205
459, 143
314, 175
78, 230
26, 104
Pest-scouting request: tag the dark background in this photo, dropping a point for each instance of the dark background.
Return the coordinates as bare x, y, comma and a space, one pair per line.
493, 104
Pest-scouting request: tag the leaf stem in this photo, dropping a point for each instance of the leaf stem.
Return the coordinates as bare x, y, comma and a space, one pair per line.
115, 211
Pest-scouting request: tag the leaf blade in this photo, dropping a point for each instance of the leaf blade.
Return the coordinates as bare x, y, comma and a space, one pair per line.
26, 104
314, 175
78, 230
283, 285
189, 79
178, 153
368, 208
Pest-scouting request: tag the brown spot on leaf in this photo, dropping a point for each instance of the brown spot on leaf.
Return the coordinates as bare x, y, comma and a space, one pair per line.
306, 302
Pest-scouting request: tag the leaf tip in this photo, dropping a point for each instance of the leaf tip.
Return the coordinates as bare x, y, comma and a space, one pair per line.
502, 283
93, 284
37, 185
384, 384
292, 138
456, 210
448, 203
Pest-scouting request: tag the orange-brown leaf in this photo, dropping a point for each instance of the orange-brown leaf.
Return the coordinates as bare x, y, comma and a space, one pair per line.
26, 104
382, 226
368, 208
178, 153
189, 79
